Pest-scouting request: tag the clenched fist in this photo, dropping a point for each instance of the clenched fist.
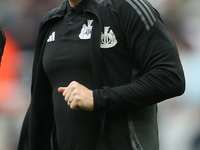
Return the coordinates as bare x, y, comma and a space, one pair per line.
78, 96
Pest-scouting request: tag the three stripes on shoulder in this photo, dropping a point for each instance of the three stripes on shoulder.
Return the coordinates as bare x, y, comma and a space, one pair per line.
144, 11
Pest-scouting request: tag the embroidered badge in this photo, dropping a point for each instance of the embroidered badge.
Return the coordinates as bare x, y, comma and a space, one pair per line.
86, 30
108, 38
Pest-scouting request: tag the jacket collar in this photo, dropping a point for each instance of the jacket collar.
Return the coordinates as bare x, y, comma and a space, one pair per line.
91, 6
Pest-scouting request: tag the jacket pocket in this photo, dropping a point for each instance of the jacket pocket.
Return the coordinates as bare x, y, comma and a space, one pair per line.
135, 143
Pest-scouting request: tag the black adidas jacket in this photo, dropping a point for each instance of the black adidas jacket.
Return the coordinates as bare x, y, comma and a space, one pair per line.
131, 77
2, 42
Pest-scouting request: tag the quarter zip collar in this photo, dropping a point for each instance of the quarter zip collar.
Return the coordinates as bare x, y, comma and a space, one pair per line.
78, 8
91, 6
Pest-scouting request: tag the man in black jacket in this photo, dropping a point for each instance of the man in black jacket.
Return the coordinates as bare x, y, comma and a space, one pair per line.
2, 42
113, 61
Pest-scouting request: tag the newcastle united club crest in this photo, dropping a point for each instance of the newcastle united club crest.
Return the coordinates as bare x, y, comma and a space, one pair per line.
86, 30
108, 38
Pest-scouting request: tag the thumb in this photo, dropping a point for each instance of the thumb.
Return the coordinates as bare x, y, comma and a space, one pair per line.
61, 89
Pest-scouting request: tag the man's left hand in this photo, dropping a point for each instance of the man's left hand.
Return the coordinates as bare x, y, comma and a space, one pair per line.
78, 96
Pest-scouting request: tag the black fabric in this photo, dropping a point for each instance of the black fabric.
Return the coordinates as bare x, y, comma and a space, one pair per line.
2, 42
149, 72
138, 63
67, 58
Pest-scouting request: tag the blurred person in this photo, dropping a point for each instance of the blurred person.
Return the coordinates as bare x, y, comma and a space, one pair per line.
113, 61
11, 105
181, 19
10, 67
2, 42
196, 142
21, 18
174, 23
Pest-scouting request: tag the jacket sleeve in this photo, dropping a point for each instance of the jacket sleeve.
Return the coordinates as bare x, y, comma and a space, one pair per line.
155, 56
2, 42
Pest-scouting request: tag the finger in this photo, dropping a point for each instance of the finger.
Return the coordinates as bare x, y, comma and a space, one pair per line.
69, 102
68, 88
74, 105
61, 89
68, 93
64, 91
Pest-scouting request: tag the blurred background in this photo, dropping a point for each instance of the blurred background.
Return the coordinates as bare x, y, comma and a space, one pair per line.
178, 118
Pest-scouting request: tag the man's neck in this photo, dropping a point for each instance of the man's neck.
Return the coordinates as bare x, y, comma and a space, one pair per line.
73, 3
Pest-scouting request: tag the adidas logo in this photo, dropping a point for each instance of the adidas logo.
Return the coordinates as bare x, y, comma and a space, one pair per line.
52, 37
